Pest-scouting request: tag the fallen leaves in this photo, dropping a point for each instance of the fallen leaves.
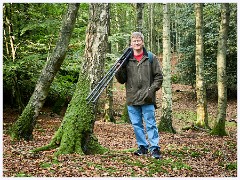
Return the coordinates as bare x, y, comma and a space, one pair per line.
190, 154
185, 154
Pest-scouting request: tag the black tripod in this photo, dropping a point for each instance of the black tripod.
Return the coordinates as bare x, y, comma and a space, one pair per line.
102, 84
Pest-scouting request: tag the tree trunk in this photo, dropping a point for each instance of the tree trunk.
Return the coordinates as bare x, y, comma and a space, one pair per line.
5, 25
219, 127
96, 42
24, 126
76, 132
108, 108
140, 7
154, 32
75, 135
202, 116
166, 118
151, 39
109, 103
8, 22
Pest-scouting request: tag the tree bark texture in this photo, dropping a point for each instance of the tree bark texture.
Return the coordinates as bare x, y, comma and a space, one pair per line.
24, 126
109, 113
202, 116
96, 42
166, 118
219, 127
76, 132
140, 7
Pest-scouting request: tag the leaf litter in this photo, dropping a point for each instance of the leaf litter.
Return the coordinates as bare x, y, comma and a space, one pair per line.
185, 154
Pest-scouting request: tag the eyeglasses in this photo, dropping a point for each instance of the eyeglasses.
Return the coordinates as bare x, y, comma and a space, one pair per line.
136, 41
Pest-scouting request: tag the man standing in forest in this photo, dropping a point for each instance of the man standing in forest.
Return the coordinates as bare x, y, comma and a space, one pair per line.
142, 76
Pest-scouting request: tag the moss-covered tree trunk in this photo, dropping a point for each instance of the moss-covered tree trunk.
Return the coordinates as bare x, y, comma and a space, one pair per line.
202, 116
166, 118
24, 125
219, 127
75, 134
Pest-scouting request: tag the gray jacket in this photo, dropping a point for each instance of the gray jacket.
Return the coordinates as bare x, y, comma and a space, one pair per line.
142, 80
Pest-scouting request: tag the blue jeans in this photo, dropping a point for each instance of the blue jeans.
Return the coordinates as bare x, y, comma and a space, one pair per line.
136, 115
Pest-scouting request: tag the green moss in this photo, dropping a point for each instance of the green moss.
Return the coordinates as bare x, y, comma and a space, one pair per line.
165, 125
231, 166
93, 147
78, 123
24, 125
75, 134
219, 129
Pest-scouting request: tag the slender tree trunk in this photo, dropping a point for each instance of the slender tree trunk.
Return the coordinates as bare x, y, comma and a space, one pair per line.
149, 47
202, 116
154, 31
109, 111
166, 119
117, 15
108, 108
76, 132
219, 127
11, 36
24, 126
139, 18
6, 40
151, 27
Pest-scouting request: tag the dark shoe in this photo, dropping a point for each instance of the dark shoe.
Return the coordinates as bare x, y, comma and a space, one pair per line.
141, 151
155, 153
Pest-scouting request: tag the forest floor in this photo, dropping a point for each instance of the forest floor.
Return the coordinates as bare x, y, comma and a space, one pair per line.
188, 153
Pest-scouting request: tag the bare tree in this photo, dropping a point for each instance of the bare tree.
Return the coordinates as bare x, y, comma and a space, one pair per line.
166, 118
219, 127
202, 116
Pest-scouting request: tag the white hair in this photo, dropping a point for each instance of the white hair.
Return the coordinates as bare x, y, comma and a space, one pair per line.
137, 34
